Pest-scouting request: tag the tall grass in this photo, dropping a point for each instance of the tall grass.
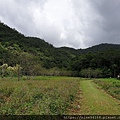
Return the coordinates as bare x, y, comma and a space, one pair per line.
50, 96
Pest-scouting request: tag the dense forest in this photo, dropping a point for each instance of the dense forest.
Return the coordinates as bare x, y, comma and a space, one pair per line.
37, 57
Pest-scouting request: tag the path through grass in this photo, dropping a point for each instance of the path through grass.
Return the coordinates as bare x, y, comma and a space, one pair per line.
96, 102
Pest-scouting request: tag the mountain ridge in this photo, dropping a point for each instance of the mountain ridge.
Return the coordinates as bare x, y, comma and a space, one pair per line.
62, 47
33, 52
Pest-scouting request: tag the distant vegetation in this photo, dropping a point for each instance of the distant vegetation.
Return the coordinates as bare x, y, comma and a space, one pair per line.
37, 57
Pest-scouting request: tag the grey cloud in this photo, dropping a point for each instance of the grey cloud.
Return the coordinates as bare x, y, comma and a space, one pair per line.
109, 12
17, 16
73, 23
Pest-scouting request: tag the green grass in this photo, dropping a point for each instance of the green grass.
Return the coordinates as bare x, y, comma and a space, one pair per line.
111, 86
96, 102
41, 96
48, 95
23, 78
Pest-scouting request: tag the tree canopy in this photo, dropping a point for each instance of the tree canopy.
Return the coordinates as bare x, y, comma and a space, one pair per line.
37, 57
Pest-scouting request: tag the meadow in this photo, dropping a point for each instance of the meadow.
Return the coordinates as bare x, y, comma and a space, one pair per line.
111, 86
38, 96
47, 95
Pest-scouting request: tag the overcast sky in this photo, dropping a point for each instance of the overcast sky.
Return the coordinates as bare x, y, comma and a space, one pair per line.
72, 23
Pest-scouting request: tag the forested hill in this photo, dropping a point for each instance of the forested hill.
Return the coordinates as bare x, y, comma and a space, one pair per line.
12, 36
39, 57
96, 48
102, 47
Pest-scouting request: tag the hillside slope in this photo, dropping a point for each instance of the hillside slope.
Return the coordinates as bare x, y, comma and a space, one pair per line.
16, 48
37, 47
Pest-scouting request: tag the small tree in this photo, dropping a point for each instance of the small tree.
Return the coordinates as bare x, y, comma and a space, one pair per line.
87, 73
97, 73
114, 69
3, 69
17, 69
11, 71
84, 73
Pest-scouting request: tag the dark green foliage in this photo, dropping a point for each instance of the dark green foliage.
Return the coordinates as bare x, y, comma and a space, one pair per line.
108, 61
38, 57
30, 52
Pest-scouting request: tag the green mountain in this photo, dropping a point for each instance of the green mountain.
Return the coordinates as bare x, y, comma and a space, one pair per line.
38, 57
102, 47
15, 48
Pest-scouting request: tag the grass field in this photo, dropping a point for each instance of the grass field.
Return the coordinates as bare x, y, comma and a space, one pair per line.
47, 95
92, 99
111, 86
38, 96
97, 102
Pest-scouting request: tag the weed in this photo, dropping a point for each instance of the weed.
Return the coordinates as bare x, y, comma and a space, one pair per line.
50, 96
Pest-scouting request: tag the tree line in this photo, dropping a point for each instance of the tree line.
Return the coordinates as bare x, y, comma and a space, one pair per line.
37, 57
106, 63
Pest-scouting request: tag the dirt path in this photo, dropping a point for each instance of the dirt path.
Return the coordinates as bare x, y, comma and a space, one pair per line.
94, 101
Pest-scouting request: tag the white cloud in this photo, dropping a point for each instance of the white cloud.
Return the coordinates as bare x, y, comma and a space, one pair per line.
73, 23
